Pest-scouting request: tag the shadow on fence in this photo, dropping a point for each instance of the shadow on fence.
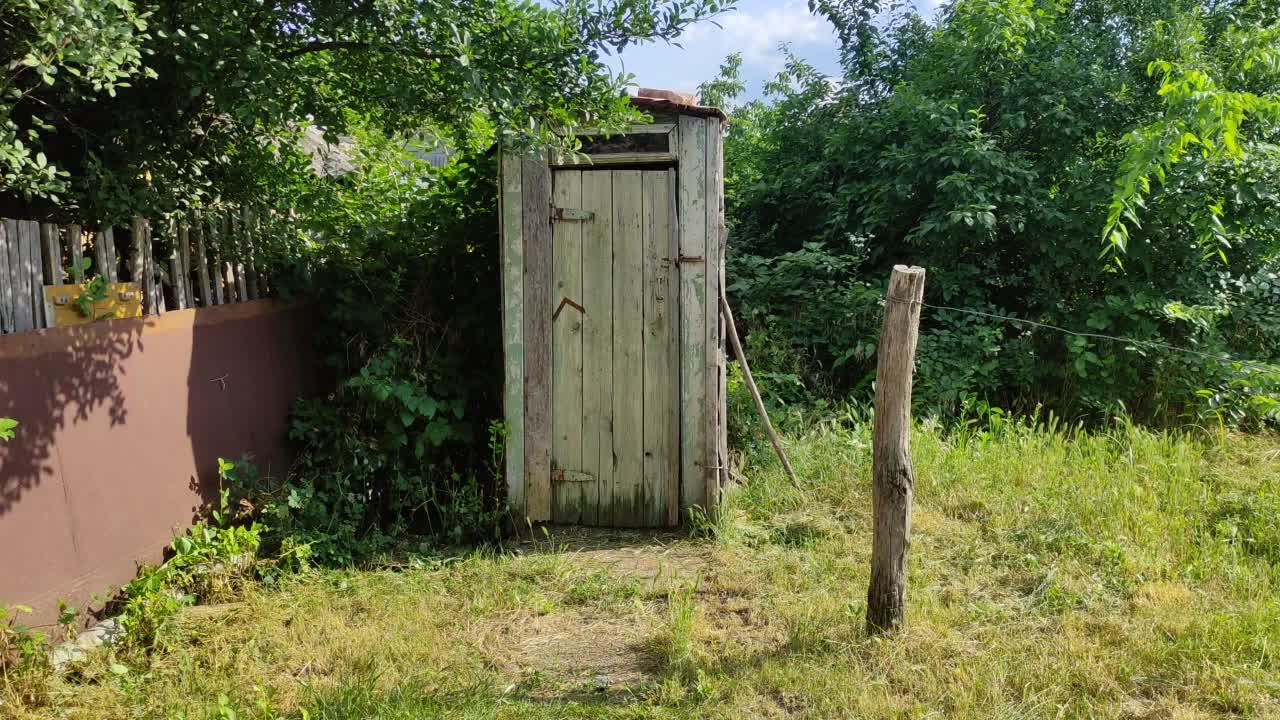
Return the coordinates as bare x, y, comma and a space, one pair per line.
53, 381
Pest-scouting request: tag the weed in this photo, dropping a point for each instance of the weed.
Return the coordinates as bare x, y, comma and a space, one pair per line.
677, 643
210, 562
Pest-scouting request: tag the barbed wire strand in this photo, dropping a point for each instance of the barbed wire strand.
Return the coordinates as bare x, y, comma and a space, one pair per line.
1252, 364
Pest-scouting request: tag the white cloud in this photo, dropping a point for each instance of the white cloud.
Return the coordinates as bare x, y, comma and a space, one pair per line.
757, 33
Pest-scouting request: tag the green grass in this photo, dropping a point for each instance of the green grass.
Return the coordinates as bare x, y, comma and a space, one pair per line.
1119, 574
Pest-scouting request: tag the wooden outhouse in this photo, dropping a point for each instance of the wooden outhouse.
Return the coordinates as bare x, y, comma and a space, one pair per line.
612, 267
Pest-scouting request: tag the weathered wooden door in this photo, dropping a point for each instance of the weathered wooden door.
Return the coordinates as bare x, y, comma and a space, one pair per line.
615, 455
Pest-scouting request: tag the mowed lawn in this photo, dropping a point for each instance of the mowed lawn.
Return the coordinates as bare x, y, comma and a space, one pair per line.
1117, 574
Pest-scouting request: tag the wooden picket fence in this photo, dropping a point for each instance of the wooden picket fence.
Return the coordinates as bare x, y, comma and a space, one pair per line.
210, 259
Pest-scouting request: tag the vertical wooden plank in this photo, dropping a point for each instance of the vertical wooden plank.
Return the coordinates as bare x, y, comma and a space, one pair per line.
238, 258
229, 251
201, 261
175, 275
50, 255
693, 312
137, 260
184, 263
74, 237
713, 343
566, 349
628, 351
21, 271
513, 328
658, 334
100, 255
248, 245
597, 346
217, 238
673, 351
113, 259
31, 274
175, 266
6, 278
535, 184
268, 224
153, 274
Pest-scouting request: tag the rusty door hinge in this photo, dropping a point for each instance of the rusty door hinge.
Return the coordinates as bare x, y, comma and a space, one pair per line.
688, 259
559, 214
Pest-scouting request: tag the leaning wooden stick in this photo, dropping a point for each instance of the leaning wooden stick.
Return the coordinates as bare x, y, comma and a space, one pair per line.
755, 392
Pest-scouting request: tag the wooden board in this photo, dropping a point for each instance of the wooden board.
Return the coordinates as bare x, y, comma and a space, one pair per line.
627, 503
218, 278
659, 337
512, 263
51, 253
535, 184
184, 265
74, 237
597, 346
566, 349
123, 300
249, 243
26, 269
722, 377
239, 257
100, 266
6, 278
50, 261
714, 342
104, 254
693, 312
201, 261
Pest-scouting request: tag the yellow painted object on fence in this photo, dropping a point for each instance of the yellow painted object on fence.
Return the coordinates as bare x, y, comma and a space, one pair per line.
121, 300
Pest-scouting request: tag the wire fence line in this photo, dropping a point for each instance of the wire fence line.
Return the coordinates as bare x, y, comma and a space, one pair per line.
1251, 364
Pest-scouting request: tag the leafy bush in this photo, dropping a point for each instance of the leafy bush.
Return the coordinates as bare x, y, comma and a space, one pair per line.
404, 283
6, 428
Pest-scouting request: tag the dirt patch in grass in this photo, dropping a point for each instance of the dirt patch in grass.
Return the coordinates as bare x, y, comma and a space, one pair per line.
579, 651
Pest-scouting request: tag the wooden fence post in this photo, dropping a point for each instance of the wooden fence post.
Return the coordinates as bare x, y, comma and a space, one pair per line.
892, 475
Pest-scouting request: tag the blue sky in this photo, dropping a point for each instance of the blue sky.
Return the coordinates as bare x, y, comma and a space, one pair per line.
755, 28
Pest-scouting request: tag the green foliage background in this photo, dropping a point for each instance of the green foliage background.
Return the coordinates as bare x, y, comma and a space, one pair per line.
1107, 166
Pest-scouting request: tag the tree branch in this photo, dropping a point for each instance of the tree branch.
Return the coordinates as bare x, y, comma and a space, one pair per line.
323, 45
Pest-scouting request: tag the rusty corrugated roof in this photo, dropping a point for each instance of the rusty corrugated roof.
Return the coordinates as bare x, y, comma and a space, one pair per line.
668, 100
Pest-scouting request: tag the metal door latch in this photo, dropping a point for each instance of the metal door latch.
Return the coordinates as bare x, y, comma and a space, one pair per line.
559, 214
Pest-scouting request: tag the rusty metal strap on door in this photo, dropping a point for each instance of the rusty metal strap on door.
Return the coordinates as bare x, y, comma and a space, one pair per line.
566, 301
571, 476
559, 214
